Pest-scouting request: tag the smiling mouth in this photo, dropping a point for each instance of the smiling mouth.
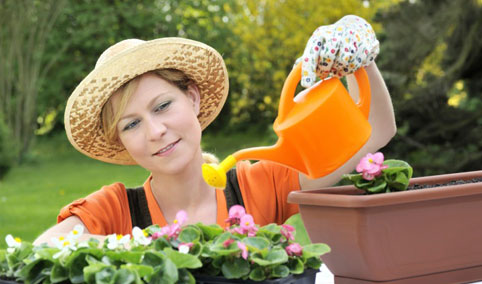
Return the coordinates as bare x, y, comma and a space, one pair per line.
167, 148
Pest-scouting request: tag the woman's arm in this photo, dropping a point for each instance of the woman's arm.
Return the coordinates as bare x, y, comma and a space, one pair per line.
63, 228
381, 118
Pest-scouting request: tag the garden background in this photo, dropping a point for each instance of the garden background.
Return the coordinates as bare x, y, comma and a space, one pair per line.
430, 58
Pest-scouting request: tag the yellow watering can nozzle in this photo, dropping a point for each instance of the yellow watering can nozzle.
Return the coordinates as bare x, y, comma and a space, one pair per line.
215, 175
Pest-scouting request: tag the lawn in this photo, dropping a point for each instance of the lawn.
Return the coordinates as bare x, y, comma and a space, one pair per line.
55, 174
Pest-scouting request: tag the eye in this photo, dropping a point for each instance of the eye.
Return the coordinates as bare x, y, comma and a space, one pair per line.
131, 125
162, 106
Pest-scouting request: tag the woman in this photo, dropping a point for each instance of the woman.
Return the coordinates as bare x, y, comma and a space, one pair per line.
147, 103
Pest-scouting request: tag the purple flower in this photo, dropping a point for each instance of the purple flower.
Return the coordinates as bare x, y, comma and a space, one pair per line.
294, 249
235, 214
371, 165
244, 250
286, 231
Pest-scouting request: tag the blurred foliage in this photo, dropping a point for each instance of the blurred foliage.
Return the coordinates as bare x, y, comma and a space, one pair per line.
7, 148
429, 57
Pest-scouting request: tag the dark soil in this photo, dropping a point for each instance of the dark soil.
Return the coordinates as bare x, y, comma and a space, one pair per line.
452, 182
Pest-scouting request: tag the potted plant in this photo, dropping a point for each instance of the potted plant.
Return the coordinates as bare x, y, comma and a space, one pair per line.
430, 233
240, 253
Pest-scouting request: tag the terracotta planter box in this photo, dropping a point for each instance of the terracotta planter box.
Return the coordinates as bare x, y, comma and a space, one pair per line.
431, 235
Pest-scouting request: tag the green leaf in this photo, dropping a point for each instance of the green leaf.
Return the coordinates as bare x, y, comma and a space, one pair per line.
185, 277
315, 250
125, 256
161, 243
3, 261
141, 270
76, 263
301, 235
153, 229
280, 271
296, 265
257, 274
210, 231
274, 256
379, 185
59, 273
313, 262
153, 259
219, 240
182, 260
271, 232
235, 268
189, 235
47, 253
35, 271
165, 274
91, 271
196, 249
255, 244
126, 276
105, 275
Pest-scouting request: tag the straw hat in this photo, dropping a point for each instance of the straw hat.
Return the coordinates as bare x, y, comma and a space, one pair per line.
126, 60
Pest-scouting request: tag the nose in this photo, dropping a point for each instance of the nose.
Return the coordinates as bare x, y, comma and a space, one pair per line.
155, 128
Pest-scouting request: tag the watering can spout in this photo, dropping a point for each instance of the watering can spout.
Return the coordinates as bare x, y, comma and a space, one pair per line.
215, 175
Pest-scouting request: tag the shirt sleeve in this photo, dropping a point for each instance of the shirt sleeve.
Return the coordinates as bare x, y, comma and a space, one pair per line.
103, 212
265, 187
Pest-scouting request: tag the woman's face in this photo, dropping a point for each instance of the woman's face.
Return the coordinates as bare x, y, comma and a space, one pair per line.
159, 127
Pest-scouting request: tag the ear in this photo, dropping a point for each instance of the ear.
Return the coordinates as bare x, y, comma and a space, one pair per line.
195, 96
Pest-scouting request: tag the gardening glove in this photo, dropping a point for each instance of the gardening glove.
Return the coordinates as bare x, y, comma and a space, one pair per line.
338, 50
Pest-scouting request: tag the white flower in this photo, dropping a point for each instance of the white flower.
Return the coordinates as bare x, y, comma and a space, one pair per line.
65, 245
114, 241
12, 243
139, 237
76, 232
183, 249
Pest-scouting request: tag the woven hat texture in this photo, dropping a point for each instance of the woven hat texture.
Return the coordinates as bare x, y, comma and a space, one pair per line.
123, 62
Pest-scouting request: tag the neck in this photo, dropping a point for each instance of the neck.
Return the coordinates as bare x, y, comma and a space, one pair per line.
185, 190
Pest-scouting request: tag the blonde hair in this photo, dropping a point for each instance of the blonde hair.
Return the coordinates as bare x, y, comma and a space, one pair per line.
110, 116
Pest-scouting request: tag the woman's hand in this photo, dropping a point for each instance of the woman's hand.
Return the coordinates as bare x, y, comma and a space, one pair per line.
338, 49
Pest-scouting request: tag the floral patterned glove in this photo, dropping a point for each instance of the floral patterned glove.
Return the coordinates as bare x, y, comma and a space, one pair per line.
338, 50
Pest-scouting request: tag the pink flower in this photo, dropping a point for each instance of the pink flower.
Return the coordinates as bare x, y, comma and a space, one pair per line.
286, 231
247, 226
244, 250
294, 249
172, 231
227, 243
235, 214
371, 165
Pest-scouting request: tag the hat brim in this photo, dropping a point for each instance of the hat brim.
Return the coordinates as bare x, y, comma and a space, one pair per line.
203, 64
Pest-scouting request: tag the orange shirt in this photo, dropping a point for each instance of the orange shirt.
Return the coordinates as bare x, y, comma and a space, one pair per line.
264, 186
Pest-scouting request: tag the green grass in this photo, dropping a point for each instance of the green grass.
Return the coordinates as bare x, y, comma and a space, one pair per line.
55, 174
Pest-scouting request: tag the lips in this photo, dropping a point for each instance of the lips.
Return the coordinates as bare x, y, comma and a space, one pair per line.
166, 149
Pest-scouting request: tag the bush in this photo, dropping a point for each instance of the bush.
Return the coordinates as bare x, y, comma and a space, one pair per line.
8, 149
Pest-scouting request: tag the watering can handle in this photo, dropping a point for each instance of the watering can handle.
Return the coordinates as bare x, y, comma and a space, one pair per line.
289, 88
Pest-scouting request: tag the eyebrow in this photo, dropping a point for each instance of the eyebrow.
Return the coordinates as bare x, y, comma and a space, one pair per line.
149, 105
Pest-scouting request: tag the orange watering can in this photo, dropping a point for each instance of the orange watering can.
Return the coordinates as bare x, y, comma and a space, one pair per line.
316, 135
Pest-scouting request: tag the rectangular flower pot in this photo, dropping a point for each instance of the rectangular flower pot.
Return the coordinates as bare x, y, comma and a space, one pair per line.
308, 277
399, 237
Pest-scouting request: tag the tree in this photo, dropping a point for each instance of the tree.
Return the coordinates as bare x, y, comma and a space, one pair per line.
430, 58
26, 26
267, 37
